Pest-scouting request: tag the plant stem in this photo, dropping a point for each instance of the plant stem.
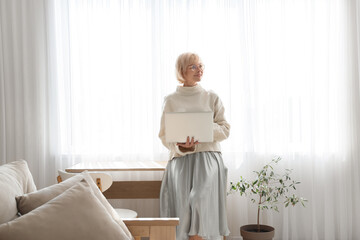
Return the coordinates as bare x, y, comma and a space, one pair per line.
258, 216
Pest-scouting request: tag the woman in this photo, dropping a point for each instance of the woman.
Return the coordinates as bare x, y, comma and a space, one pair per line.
194, 184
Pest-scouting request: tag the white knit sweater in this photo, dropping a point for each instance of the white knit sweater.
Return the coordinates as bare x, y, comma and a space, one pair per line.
195, 99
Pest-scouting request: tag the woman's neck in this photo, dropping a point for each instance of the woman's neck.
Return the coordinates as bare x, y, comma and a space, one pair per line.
187, 84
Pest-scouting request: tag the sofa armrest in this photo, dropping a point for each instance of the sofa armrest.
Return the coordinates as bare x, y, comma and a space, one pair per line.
154, 228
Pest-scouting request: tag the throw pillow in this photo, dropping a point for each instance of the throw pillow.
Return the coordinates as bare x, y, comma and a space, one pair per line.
75, 214
30, 201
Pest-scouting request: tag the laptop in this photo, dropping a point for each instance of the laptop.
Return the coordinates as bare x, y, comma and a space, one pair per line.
179, 125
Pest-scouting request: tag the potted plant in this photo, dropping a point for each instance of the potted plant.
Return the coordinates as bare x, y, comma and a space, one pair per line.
266, 190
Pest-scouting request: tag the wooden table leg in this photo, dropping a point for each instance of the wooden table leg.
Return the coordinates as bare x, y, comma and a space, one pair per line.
162, 233
155, 228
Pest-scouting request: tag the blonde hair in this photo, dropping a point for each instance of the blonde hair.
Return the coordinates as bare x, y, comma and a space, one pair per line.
182, 62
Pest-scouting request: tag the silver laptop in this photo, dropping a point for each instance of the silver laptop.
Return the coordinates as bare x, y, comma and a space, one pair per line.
193, 124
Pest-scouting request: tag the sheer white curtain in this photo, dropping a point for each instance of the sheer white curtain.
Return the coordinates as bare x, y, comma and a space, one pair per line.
299, 99
85, 80
28, 116
284, 69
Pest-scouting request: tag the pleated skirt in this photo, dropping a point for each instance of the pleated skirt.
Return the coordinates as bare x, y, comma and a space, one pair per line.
194, 189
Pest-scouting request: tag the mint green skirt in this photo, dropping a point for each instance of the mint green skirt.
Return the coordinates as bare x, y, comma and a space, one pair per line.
194, 189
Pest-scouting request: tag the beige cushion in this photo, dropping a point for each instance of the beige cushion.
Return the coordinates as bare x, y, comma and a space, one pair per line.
75, 214
30, 201
105, 203
15, 179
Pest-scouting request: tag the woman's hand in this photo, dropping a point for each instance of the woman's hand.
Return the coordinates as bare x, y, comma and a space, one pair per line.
188, 146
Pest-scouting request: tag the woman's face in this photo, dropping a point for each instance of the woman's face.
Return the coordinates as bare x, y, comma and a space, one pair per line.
193, 73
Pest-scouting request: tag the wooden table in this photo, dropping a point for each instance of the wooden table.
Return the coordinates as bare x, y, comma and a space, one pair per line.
126, 189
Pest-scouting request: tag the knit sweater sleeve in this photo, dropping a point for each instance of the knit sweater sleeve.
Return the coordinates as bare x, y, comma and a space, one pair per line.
221, 126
